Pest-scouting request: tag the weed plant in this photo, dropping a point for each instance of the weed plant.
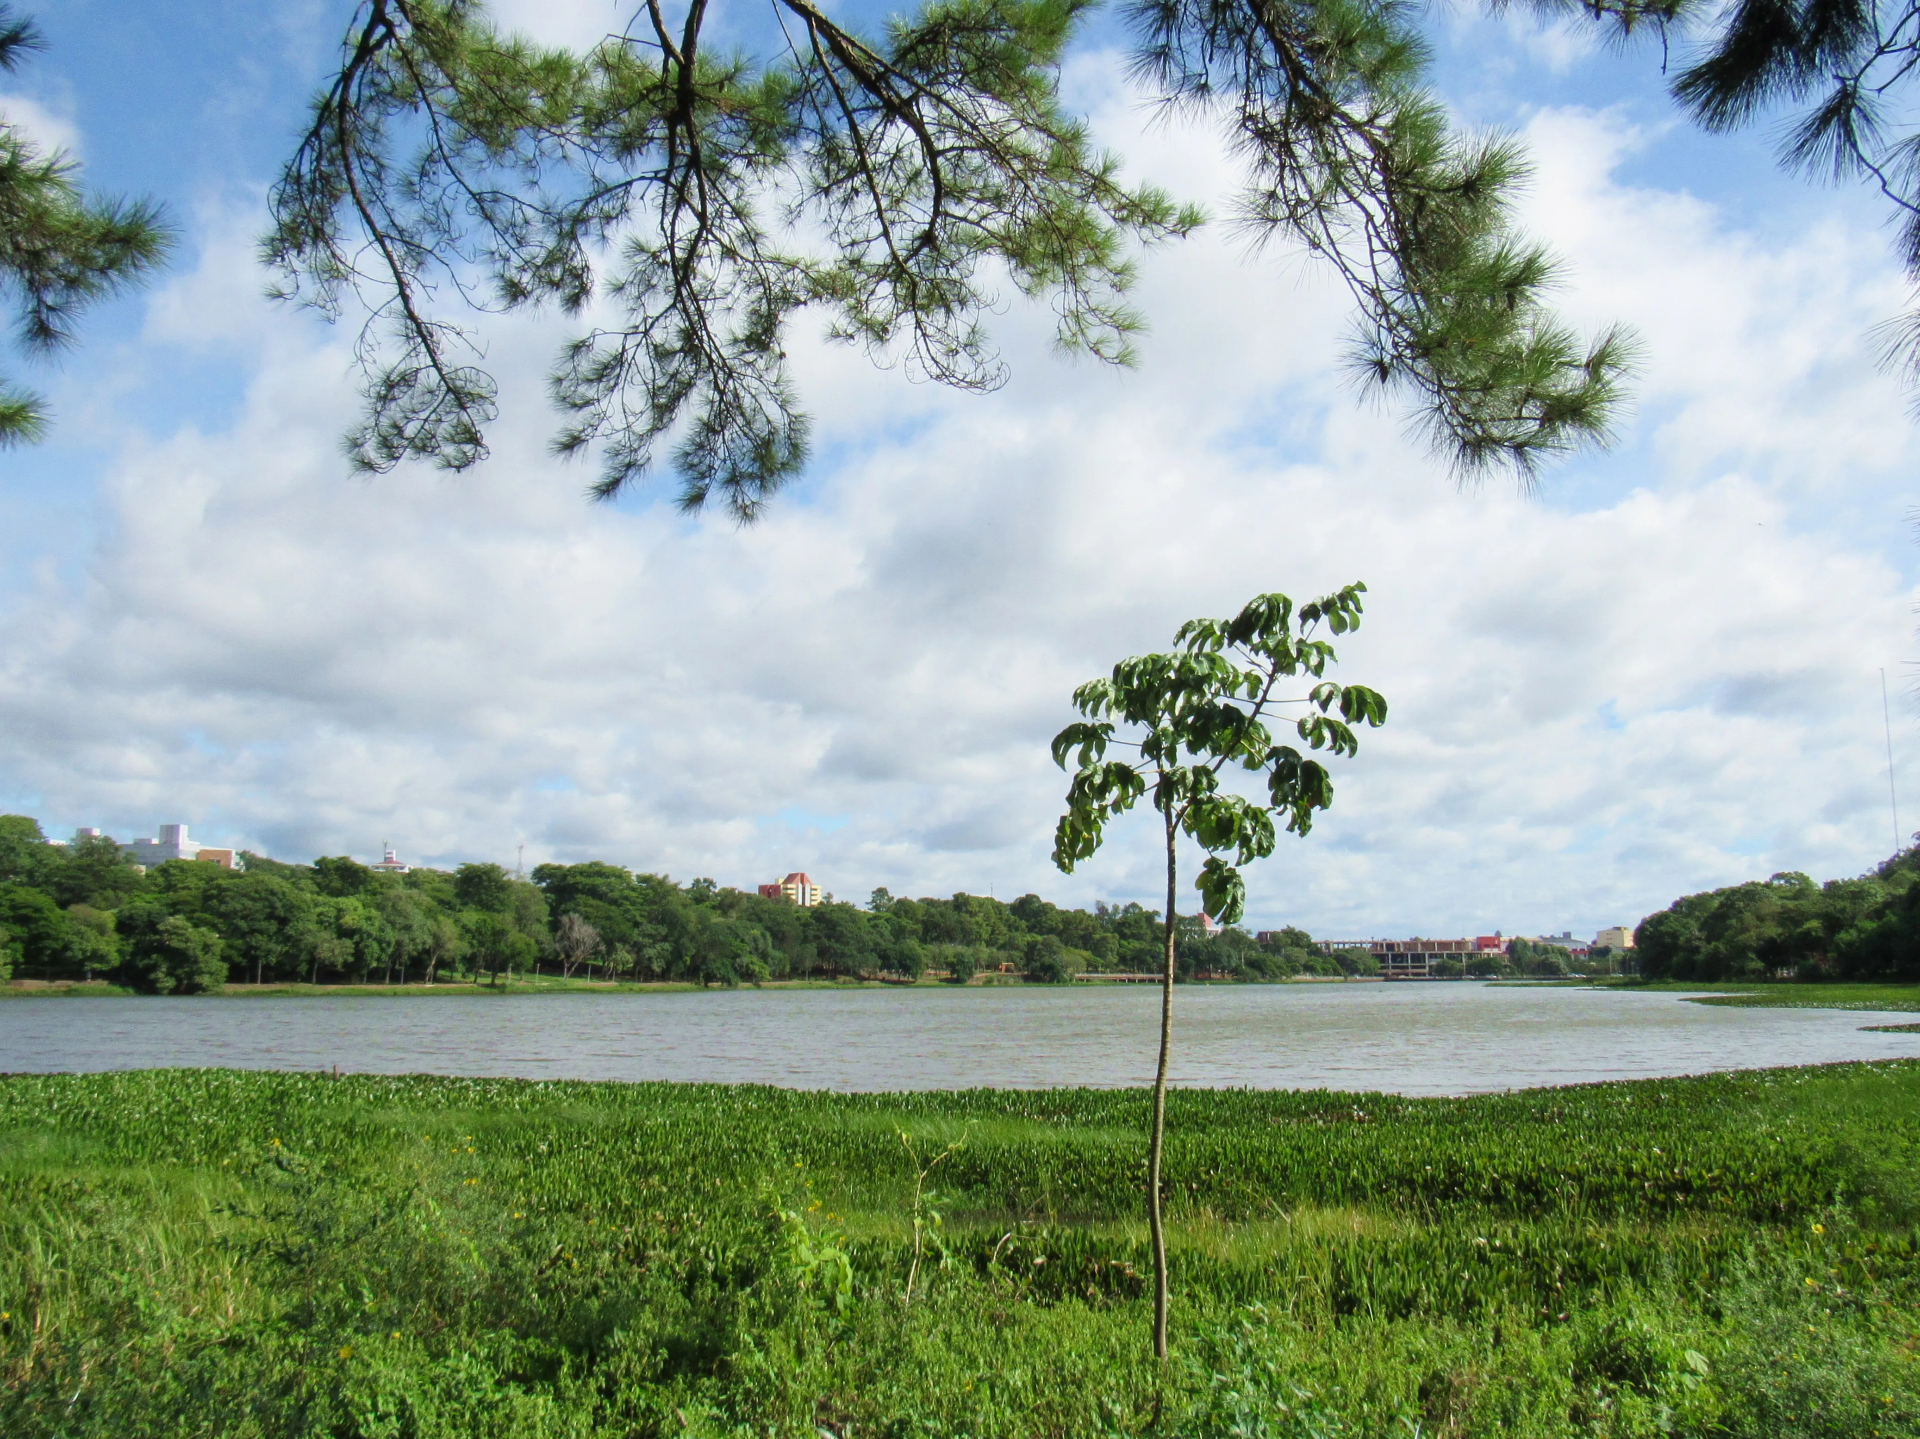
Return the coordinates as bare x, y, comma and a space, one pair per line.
247, 1254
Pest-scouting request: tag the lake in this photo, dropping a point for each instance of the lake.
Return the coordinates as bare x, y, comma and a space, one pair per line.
1406, 1038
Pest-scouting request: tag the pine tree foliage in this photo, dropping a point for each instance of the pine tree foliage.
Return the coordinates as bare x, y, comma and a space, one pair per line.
1349, 155
687, 203
1844, 69
705, 199
60, 249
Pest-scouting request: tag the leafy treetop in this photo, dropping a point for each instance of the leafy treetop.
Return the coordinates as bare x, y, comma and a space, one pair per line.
1198, 710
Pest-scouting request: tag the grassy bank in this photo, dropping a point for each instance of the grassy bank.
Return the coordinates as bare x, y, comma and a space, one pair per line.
1788, 994
552, 984
215, 1253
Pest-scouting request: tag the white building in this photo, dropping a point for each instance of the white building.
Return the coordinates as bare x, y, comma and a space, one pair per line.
173, 843
390, 862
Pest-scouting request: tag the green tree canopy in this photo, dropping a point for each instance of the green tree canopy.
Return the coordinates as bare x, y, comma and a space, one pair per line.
24, 856
842, 942
1862, 928
37, 930
263, 919
91, 913
696, 197
410, 918
176, 956
96, 871
341, 877
1047, 961
495, 944
483, 886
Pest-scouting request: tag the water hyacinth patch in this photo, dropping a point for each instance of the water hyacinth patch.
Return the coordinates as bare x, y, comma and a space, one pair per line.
274, 1254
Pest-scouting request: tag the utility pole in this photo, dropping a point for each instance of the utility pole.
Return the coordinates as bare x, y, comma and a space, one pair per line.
1893, 799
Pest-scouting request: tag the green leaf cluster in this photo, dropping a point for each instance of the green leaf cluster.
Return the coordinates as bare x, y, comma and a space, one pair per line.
1205, 707
1350, 154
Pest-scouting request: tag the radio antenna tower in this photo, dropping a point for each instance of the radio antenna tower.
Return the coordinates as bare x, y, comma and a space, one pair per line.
1893, 799
520, 865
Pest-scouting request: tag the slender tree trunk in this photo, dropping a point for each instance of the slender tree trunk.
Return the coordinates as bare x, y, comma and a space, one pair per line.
1155, 1222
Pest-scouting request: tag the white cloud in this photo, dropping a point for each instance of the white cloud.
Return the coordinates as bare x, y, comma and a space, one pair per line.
1595, 707
1559, 45
1753, 354
50, 130
574, 24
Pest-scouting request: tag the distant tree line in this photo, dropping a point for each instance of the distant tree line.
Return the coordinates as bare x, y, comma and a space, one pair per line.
1789, 927
85, 910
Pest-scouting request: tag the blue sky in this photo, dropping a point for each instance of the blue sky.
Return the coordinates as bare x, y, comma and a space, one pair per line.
1657, 674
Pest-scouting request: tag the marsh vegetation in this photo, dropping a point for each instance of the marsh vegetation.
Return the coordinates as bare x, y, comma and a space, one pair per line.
282, 1254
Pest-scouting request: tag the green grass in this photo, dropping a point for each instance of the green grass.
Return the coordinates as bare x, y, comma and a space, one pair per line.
213, 1253
1783, 994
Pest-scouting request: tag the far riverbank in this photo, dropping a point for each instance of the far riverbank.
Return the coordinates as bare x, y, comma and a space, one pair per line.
525, 986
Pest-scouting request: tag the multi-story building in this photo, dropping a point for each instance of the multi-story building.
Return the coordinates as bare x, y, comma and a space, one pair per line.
1417, 958
1614, 936
1409, 958
796, 888
173, 843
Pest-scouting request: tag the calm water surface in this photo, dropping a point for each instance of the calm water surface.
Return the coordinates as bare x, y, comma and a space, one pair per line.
1411, 1039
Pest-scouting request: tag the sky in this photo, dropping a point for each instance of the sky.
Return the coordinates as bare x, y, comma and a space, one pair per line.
1657, 673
